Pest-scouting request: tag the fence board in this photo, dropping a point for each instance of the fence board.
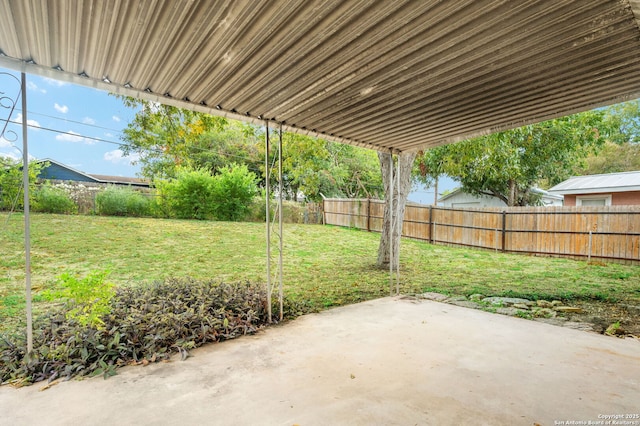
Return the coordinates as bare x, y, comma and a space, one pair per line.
548, 231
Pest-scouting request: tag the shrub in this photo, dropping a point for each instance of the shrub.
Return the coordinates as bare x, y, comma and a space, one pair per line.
48, 199
87, 299
145, 324
293, 211
232, 192
11, 182
118, 201
196, 194
188, 196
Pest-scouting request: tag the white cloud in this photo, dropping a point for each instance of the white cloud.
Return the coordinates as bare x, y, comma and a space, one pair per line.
33, 123
61, 108
108, 135
89, 120
32, 86
72, 136
16, 155
5, 143
10, 155
116, 118
53, 82
117, 157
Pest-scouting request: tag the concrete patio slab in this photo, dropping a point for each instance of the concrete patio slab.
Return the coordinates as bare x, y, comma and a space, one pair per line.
388, 361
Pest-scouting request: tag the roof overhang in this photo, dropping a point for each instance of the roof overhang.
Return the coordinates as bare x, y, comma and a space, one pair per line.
602, 190
389, 75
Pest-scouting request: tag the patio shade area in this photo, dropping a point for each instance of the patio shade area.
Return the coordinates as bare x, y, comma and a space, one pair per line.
389, 75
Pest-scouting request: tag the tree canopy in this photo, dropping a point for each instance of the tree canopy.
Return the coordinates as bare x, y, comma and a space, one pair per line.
621, 152
170, 139
508, 164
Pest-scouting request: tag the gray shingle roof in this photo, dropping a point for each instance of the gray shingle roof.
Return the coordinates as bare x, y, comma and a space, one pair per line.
610, 182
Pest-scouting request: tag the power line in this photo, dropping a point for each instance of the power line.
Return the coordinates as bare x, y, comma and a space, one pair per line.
72, 121
65, 133
367, 184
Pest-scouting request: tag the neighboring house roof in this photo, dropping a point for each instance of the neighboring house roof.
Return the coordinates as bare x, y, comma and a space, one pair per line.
594, 184
60, 171
450, 194
121, 180
542, 192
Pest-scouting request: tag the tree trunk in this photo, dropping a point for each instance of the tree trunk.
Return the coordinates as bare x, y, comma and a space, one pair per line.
399, 199
435, 192
511, 199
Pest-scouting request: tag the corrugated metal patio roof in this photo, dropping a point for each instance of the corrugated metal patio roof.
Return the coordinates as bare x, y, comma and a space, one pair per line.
610, 182
398, 75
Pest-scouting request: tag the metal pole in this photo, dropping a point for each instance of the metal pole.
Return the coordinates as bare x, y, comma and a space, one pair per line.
398, 228
27, 219
280, 189
268, 221
589, 256
391, 226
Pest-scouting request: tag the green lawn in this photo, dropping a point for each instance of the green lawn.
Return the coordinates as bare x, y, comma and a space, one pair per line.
324, 266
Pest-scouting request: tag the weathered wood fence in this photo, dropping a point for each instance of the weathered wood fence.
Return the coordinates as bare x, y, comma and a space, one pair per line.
605, 233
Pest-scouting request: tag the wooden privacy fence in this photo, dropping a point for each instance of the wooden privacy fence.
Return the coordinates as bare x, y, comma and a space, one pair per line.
609, 233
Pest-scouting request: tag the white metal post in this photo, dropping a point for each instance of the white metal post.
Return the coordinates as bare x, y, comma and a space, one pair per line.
391, 225
27, 219
398, 228
280, 190
267, 220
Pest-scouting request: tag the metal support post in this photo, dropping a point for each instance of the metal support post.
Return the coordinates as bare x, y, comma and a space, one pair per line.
267, 216
27, 221
398, 228
391, 224
280, 190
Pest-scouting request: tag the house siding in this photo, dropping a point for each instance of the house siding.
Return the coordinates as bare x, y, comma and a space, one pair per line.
628, 198
56, 172
464, 200
625, 198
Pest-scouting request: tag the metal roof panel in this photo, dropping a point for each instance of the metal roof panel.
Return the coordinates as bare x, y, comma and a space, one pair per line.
399, 75
610, 182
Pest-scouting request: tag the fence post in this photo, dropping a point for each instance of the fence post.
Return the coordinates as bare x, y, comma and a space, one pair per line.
368, 214
504, 230
430, 224
324, 212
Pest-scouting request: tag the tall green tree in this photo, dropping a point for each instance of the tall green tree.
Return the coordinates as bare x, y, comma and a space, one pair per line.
508, 164
623, 121
171, 139
320, 168
614, 158
621, 153
168, 138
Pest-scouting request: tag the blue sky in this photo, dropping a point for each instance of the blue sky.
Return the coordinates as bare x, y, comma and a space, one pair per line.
75, 114
81, 127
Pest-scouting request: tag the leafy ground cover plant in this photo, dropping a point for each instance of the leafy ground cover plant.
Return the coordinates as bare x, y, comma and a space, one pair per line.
87, 299
145, 324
